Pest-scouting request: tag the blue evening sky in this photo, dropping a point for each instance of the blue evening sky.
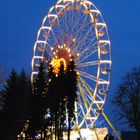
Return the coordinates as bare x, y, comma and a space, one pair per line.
21, 19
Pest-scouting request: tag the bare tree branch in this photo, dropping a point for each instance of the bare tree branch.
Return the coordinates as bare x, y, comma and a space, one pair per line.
127, 99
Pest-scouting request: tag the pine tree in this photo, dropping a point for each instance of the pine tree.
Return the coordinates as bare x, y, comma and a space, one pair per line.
71, 91
9, 111
24, 90
37, 110
1, 115
52, 99
14, 110
62, 100
55, 100
60, 97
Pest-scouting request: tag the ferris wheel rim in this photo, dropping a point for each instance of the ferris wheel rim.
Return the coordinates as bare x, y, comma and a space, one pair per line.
100, 62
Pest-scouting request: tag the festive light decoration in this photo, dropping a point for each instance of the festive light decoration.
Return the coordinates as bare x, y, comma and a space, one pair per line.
56, 63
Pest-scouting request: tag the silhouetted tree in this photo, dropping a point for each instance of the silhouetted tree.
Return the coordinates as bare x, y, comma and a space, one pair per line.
37, 110
62, 100
14, 110
9, 112
71, 91
1, 115
127, 99
50, 99
54, 100
60, 97
23, 90
2, 76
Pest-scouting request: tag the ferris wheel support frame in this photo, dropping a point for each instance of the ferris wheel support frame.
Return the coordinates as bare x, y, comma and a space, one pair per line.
109, 122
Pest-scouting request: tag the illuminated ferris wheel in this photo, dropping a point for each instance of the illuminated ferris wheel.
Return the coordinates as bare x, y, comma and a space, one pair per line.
75, 28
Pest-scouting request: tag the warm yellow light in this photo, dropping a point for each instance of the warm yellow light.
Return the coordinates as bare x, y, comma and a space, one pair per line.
56, 64
62, 60
78, 73
68, 50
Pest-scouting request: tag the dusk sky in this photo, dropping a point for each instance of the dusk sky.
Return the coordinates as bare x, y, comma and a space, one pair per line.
21, 19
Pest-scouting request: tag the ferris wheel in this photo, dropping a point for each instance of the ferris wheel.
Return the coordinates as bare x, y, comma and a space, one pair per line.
75, 28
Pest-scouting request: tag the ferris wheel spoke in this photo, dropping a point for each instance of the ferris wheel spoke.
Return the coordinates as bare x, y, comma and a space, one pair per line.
69, 34
90, 39
87, 87
100, 100
86, 50
75, 28
89, 76
51, 26
61, 12
65, 18
87, 64
82, 110
48, 45
85, 100
92, 96
86, 56
59, 26
49, 54
77, 22
83, 96
86, 115
82, 119
82, 30
81, 26
67, 21
72, 21
90, 45
93, 118
77, 33
55, 38
84, 38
